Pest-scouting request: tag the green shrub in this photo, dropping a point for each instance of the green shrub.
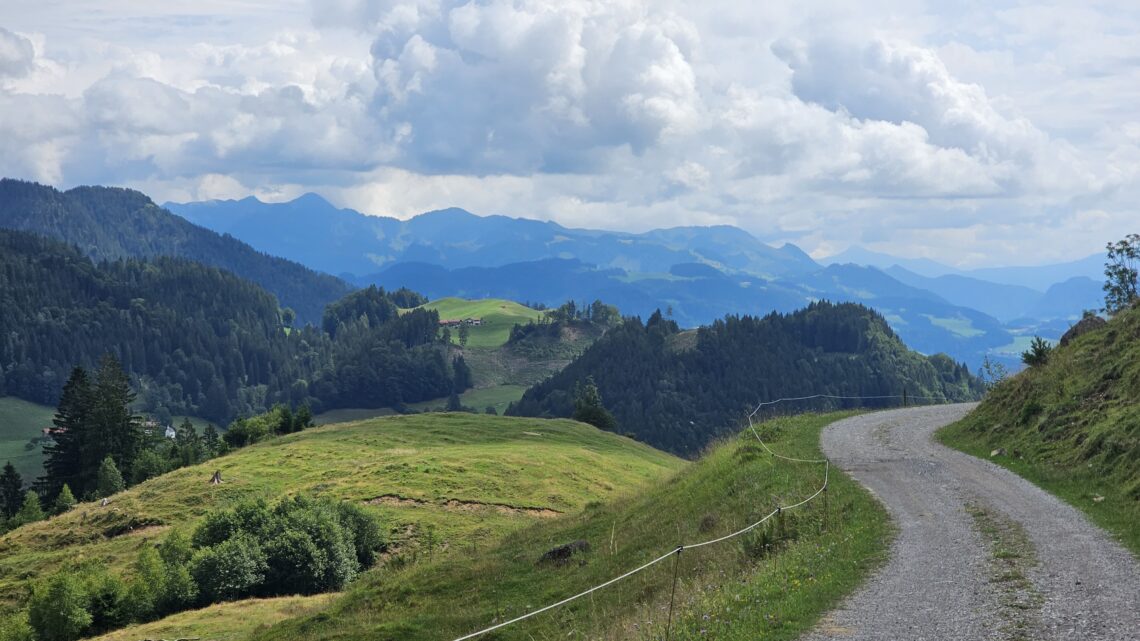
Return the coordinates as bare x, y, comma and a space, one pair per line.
296, 564
320, 522
146, 586
179, 591
366, 535
106, 598
15, 627
232, 569
148, 465
58, 609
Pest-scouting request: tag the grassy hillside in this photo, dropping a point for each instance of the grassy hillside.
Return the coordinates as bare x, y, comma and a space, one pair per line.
725, 591
1072, 425
20, 422
224, 621
465, 479
498, 317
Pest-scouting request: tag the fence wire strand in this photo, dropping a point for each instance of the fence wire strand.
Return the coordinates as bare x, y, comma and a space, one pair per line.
677, 550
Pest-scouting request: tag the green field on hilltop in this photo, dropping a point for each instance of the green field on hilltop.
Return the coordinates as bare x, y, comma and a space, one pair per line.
498, 317
734, 590
351, 414
499, 397
20, 422
959, 325
452, 479
1072, 425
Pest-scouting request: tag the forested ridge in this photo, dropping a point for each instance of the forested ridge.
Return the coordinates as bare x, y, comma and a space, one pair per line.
198, 340
678, 392
109, 223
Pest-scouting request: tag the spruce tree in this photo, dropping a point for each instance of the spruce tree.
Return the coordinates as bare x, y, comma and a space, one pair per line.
588, 407
188, 443
64, 456
30, 511
117, 431
108, 480
64, 501
11, 491
304, 418
211, 441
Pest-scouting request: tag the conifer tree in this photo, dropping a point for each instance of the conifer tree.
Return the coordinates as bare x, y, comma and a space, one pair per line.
588, 407
211, 441
30, 511
64, 501
63, 462
11, 491
108, 480
304, 418
188, 442
117, 431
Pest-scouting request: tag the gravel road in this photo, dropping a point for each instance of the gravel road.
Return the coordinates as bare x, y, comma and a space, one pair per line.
946, 577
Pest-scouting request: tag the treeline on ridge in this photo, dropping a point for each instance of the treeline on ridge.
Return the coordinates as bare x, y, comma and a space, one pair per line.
679, 391
200, 341
111, 223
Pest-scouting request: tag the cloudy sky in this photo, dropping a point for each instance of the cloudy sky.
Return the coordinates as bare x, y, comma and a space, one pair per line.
976, 133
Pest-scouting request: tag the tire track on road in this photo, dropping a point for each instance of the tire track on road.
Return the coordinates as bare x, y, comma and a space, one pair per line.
938, 583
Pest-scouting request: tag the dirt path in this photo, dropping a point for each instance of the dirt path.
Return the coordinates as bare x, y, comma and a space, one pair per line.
981, 553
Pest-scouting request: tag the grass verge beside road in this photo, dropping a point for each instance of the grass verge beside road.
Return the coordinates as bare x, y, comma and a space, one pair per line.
772, 584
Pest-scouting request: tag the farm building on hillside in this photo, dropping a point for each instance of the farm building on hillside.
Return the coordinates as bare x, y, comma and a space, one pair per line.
456, 322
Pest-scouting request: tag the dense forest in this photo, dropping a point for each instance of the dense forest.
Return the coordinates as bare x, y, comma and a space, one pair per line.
198, 340
108, 223
679, 391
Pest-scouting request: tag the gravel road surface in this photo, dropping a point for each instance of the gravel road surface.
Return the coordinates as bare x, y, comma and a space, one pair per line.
944, 577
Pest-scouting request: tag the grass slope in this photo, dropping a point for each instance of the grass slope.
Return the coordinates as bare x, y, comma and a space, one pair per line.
467, 479
498, 317
1072, 426
21, 421
499, 397
723, 592
224, 621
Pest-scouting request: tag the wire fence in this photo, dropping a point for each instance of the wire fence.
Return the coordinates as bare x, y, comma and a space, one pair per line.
689, 546
906, 398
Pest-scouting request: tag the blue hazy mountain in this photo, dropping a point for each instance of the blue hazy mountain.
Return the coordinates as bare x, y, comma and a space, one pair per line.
859, 256
1043, 277
1068, 299
1004, 302
342, 241
1040, 277
1065, 300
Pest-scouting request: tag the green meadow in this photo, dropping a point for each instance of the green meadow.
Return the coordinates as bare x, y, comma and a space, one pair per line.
436, 481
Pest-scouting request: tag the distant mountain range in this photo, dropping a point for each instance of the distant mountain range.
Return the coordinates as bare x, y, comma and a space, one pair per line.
698, 274
1039, 278
342, 241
